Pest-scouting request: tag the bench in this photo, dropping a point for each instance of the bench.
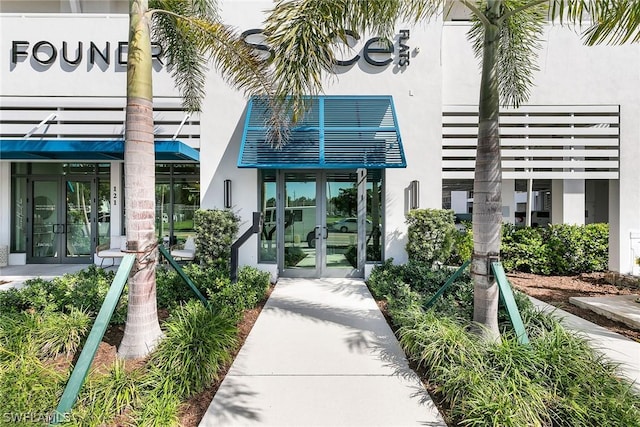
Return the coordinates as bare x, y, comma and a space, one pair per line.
188, 251
111, 251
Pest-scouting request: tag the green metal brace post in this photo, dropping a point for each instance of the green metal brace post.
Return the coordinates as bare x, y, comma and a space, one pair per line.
183, 276
506, 296
83, 364
448, 283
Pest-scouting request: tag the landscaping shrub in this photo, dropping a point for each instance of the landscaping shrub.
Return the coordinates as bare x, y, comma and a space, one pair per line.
105, 396
42, 334
84, 290
462, 245
555, 380
556, 249
430, 235
28, 387
578, 248
215, 230
197, 344
525, 249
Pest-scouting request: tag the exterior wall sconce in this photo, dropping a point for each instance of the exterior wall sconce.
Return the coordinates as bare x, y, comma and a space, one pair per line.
227, 194
414, 194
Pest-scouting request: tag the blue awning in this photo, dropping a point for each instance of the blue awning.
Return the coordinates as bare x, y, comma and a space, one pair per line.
337, 132
86, 150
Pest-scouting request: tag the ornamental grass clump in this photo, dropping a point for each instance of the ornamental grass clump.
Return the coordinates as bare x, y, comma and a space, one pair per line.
198, 342
556, 380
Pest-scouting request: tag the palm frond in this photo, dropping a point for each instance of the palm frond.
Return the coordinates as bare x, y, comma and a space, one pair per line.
191, 35
519, 41
618, 23
304, 35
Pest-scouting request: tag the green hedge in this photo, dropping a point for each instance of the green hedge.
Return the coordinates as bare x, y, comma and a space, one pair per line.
556, 249
215, 230
431, 234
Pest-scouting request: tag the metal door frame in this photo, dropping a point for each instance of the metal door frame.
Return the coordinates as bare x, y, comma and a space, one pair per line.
61, 228
321, 269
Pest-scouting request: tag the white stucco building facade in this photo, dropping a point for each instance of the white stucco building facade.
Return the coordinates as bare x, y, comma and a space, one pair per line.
575, 144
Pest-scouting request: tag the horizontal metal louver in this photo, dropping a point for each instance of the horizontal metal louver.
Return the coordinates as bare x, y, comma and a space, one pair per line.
538, 142
79, 128
335, 132
90, 119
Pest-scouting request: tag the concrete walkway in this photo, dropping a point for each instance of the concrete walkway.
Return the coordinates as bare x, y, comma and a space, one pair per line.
16, 275
615, 347
321, 354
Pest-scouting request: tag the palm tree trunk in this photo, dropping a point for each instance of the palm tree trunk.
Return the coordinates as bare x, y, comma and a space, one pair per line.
487, 196
142, 330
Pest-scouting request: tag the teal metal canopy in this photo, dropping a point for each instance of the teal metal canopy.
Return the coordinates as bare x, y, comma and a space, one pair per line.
75, 149
336, 132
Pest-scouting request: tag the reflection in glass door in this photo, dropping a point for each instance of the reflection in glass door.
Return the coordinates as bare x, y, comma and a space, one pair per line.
341, 209
61, 212
298, 225
77, 229
320, 224
47, 226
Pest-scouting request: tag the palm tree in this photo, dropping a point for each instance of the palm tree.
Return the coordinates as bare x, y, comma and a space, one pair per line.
505, 36
191, 35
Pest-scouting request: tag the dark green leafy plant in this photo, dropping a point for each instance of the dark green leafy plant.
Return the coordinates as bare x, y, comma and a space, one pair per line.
215, 230
557, 249
293, 255
430, 235
197, 344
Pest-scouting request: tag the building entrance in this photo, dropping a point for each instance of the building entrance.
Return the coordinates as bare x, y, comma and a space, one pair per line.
61, 221
322, 222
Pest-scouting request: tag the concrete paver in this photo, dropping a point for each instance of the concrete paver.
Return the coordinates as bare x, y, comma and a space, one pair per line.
621, 308
321, 354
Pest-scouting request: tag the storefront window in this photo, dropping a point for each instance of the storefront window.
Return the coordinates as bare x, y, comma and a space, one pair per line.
374, 214
177, 199
104, 211
19, 214
268, 237
186, 200
163, 211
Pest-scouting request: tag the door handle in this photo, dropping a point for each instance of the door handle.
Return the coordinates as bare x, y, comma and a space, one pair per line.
316, 231
326, 233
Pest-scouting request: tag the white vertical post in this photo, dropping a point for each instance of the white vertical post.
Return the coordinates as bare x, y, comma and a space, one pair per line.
362, 219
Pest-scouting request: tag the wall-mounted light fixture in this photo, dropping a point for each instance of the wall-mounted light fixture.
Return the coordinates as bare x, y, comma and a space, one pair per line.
227, 193
414, 194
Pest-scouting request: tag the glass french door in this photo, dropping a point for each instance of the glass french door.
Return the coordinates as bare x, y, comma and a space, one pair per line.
62, 221
318, 224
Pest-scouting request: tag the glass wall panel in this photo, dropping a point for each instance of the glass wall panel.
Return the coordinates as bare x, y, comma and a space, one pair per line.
47, 168
78, 218
300, 220
19, 214
342, 221
104, 211
375, 215
163, 211
268, 237
186, 200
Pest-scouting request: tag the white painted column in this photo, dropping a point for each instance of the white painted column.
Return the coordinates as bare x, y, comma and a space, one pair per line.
5, 203
615, 241
573, 201
5, 209
508, 200
567, 201
117, 199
